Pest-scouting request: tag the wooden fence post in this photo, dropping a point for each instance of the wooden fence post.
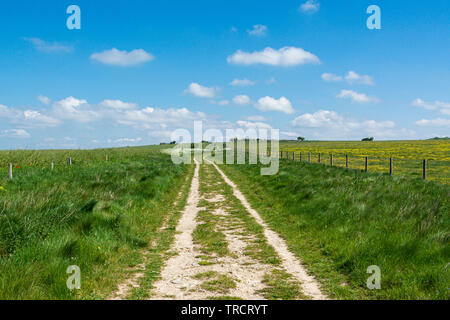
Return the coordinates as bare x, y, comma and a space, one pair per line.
424, 169
106, 157
69, 161
309, 157
366, 164
300, 157
51, 165
331, 159
10, 171
319, 157
281, 155
346, 161
391, 168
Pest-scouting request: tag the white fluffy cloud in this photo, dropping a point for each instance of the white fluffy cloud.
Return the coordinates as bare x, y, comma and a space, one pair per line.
200, 91
258, 30
28, 118
70, 104
149, 118
271, 104
285, 57
14, 133
310, 6
74, 109
420, 103
242, 99
44, 99
439, 122
48, 47
356, 97
443, 107
241, 83
331, 119
33, 118
318, 119
332, 124
6, 112
122, 58
70, 108
156, 123
351, 77
253, 125
117, 104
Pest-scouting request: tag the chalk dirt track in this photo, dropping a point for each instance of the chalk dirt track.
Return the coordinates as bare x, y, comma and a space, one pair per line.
223, 249
183, 275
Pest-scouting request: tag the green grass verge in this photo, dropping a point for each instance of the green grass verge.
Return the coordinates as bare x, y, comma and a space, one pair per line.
155, 257
339, 225
97, 215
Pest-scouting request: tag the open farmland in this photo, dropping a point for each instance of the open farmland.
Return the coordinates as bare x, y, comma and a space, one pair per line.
407, 155
339, 224
140, 227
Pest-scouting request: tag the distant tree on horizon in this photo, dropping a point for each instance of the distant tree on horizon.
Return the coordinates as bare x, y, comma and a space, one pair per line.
368, 139
440, 138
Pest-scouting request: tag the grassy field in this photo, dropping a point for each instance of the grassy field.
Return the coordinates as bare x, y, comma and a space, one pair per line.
100, 215
96, 214
339, 224
407, 155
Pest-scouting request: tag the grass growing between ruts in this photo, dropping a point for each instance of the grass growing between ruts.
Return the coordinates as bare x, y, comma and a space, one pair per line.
237, 220
96, 215
339, 225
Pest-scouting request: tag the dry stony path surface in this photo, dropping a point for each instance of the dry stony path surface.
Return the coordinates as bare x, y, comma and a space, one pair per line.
224, 250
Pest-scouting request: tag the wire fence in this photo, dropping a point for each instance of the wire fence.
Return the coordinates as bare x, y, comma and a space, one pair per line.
16, 162
428, 169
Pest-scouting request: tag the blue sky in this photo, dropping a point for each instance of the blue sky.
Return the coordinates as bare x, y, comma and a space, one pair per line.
137, 70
